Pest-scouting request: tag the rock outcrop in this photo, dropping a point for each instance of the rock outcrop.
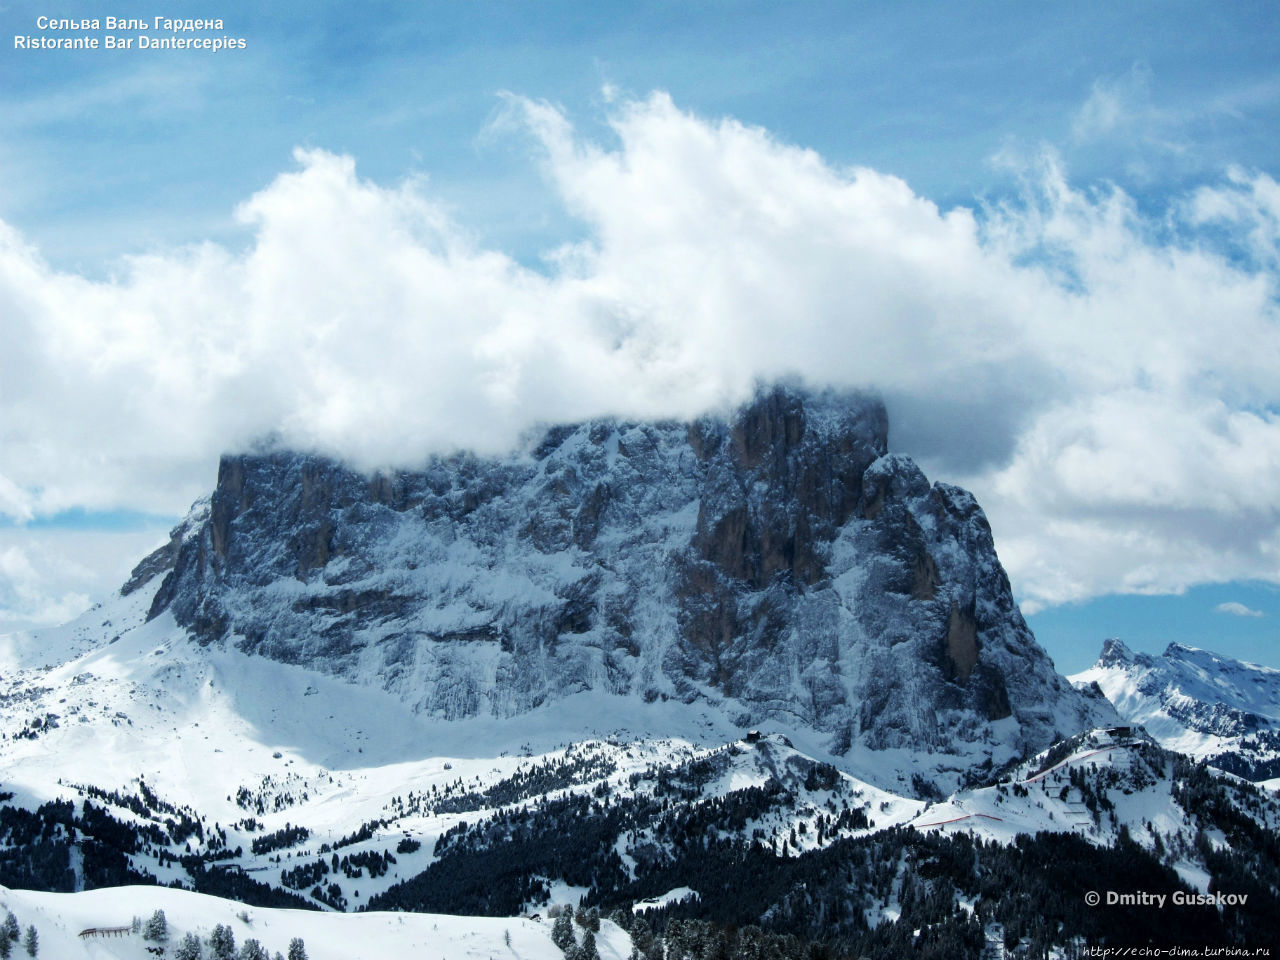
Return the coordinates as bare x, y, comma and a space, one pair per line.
779, 563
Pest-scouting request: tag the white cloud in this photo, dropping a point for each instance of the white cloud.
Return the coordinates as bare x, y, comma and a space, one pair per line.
1109, 394
1114, 104
1249, 207
1121, 119
1236, 609
48, 576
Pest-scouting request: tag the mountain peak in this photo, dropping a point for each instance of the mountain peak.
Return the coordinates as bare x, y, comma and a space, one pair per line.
774, 564
1205, 704
1114, 652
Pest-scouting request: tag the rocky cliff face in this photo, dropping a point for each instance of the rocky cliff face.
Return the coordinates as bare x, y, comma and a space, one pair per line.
778, 563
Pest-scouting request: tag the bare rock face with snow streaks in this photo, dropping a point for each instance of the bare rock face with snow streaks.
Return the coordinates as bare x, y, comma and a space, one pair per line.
777, 563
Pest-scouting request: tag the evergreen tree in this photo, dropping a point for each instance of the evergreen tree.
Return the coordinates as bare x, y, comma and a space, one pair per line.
562, 931
6, 947
588, 949
10, 928
189, 948
31, 942
297, 950
223, 943
157, 928
252, 950
641, 933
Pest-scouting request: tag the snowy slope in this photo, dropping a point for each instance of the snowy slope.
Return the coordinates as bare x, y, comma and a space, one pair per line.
1097, 785
233, 738
1030, 798
236, 738
1199, 703
60, 918
248, 747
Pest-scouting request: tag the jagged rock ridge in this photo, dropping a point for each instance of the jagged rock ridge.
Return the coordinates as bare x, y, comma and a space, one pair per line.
1217, 709
778, 562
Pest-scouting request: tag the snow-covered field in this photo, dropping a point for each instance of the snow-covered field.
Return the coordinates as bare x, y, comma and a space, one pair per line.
1032, 799
59, 919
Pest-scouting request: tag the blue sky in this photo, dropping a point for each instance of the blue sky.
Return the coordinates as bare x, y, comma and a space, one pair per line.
1237, 619
106, 156
118, 153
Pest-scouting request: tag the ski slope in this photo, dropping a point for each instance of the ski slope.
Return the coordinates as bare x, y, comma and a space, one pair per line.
59, 919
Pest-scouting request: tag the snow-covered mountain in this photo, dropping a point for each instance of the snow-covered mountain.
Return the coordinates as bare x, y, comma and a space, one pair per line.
153, 757
1214, 708
776, 564
745, 685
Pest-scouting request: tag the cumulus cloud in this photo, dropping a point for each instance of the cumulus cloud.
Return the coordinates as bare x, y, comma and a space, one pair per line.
49, 578
25, 595
1103, 380
1236, 609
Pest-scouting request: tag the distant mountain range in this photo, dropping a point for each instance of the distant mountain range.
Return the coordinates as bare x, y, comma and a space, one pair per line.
1225, 712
